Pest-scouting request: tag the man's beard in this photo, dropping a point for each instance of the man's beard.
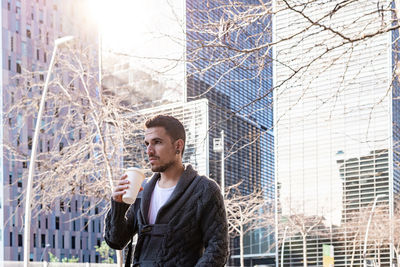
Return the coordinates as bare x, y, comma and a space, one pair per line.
162, 168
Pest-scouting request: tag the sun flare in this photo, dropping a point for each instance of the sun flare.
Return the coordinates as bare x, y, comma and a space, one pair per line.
120, 22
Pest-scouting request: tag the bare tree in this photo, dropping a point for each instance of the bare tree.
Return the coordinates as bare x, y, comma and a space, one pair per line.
395, 224
234, 32
352, 227
380, 232
369, 228
244, 213
290, 225
304, 225
85, 134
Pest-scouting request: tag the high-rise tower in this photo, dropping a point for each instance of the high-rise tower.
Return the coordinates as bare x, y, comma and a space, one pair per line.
247, 124
29, 29
335, 113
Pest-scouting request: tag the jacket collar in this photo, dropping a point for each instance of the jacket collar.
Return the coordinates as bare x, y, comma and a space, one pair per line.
184, 181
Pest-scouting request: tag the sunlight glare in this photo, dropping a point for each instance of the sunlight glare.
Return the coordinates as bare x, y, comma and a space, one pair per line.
151, 33
120, 21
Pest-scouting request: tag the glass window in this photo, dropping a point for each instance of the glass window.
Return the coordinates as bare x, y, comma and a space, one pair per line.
41, 16
19, 121
28, 31
72, 242
43, 240
23, 48
18, 7
18, 66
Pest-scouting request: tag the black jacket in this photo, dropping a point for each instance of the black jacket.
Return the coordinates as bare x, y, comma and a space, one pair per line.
190, 229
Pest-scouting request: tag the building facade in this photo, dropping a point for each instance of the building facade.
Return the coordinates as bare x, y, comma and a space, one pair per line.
247, 124
335, 117
29, 29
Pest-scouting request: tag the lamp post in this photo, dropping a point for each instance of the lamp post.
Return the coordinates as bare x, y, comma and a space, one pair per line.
368, 224
27, 220
218, 146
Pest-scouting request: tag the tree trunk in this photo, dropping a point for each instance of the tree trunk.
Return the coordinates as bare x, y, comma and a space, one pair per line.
396, 251
304, 251
354, 250
397, 255
379, 255
241, 246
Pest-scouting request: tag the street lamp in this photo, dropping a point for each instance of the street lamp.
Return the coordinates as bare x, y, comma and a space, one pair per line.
368, 224
41, 257
27, 220
218, 146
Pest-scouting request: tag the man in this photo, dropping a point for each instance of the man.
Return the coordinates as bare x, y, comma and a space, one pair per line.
181, 219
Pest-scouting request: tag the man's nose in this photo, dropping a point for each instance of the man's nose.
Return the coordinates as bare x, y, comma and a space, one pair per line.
149, 150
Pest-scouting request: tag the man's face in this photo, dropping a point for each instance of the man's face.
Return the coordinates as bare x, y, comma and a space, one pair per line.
160, 149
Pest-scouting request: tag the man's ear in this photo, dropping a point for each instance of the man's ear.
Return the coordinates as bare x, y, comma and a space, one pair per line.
179, 144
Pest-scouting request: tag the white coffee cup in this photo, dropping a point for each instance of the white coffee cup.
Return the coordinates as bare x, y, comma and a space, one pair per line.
135, 178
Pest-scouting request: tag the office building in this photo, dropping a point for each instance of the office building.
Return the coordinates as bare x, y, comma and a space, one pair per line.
136, 86
336, 116
29, 31
249, 142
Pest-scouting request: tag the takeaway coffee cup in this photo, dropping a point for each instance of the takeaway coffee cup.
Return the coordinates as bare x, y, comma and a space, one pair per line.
135, 178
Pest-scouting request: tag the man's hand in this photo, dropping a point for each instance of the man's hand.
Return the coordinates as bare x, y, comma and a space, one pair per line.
120, 189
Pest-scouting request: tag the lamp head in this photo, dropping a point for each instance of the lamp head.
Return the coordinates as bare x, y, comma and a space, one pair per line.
63, 40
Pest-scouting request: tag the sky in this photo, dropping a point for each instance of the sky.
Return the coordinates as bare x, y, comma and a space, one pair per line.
151, 32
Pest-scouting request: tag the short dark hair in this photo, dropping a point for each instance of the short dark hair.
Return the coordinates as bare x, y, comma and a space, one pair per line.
172, 126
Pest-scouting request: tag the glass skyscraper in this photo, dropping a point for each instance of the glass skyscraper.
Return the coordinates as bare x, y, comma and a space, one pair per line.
336, 124
247, 125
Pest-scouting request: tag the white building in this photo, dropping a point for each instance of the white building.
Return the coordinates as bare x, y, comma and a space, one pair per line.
335, 115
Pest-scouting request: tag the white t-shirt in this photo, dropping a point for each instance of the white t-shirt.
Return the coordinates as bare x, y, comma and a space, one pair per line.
158, 199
